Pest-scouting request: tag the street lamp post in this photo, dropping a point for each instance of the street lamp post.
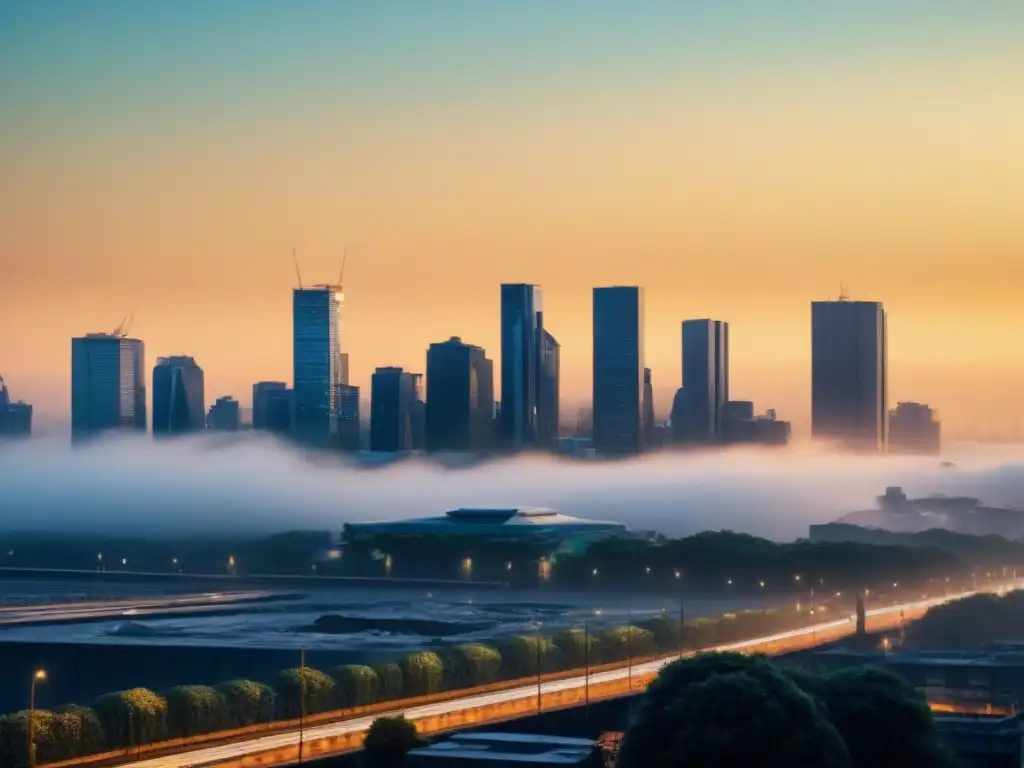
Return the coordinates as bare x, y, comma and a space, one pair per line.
37, 677
629, 647
302, 697
586, 669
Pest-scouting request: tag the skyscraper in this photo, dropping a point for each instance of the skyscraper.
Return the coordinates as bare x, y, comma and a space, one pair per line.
849, 373
418, 413
548, 392
317, 363
522, 327
348, 417
225, 415
648, 409
15, 416
618, 369
271, 406
460, 397
392, 399
914, 428
108, 389
179, 403
705, 376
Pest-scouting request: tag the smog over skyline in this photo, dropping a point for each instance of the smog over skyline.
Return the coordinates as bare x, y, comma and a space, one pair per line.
253, 484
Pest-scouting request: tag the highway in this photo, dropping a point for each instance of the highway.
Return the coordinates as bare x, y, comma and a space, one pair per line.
234, 752
131, 608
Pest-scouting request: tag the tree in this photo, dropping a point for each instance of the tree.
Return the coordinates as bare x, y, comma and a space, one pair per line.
578, 647
135, 716
388, 740
969, 623
246, 702
521, 654
290, 686
884, 722
729, 710
92, 738
471, 664
195, 709
389, 680
357, 685
422, 673
628, 642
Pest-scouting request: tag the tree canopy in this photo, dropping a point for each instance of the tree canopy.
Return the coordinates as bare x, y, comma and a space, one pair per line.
387, 741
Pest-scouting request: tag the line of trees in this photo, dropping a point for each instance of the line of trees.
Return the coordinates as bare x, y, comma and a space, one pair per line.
140, 716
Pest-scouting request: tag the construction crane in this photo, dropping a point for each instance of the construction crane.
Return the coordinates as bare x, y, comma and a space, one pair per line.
843, 295
121, 331
337, 287
341, 274
298, 274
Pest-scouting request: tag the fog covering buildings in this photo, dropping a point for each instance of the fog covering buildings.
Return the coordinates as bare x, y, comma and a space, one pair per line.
392, 409
460, 397
271, 406
108, 389
179, 400
849, 373
225, 415
15, 416
471, 543
618, 370
914, 428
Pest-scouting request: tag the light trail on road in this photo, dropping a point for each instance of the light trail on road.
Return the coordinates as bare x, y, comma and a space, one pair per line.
210, 756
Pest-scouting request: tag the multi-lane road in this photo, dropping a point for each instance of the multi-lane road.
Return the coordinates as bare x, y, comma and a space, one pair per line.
63, 612
235, 752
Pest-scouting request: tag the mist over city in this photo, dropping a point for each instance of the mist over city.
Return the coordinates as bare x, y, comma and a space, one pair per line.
253, 483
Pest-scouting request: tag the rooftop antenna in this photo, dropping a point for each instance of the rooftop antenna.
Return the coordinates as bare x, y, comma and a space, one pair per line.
298, 274
843, 295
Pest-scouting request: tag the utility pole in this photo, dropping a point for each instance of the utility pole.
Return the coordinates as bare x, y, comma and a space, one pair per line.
629, 646
538, 668
586, 670
302, 698
679, 632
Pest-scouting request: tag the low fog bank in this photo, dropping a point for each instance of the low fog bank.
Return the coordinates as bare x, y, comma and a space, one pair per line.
253, 483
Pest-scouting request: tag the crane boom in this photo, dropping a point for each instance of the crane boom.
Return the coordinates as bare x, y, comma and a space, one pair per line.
298, 274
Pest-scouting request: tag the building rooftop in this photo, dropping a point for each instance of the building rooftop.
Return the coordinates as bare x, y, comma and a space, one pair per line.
506, 748
491, 519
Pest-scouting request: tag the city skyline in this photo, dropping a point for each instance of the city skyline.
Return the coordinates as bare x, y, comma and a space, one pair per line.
719, 157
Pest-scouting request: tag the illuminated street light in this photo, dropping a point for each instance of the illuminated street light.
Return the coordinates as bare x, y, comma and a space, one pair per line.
594, 572
728, 582
678, 574
647, 569
38, 676
796, 578
124, 561
761, 583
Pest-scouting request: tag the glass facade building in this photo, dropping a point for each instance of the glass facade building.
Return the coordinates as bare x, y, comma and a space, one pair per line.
522, 328
460, 397
618, 369
705, 376
548, 417
316, 364
849, 360
392, 408
108, 389
271, 406
179, 399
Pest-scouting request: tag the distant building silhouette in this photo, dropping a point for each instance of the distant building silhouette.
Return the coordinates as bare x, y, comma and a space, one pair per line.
618, 369
548, 417
349, 425
343, 368
914, 428
418, 413
648, 403
271, 406
15, 416
225, 415
680, 416
108, 384
849, 373
392, 401
706, 376
522, 329
179, 400
317, 364
740, 425
460, 397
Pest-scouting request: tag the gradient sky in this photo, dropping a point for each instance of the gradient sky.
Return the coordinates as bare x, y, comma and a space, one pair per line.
738, 158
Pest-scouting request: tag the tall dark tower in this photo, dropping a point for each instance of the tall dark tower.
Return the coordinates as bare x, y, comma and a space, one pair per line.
548, 415
706, 376
179, 396
392, 405
460, 397
522, 330
618, 369
108, 384
849, 400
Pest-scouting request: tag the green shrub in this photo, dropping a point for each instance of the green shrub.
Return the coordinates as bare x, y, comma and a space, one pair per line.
246, 702
57, 737
528, 655
136, 716
577, 647
319, 692
422, 673
92, 738
356, 685
700, 633
666, 632
389, 681
387, 741
471, 664
628, 642
195, 709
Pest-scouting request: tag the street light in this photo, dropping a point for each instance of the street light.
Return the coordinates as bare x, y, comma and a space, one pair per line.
38, 676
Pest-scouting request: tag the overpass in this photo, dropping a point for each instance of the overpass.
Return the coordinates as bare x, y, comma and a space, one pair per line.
319, 740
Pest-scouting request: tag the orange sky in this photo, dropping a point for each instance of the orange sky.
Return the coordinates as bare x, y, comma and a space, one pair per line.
743, 199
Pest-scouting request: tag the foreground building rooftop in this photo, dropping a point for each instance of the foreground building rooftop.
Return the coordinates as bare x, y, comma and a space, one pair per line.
475, 521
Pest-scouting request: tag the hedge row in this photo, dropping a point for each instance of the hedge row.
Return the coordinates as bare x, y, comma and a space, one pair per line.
140, 716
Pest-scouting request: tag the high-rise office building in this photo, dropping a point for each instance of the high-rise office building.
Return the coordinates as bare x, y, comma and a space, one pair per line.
705, 376
548, 392
15, 416
317, 363
418, 413
392, 402
179, 400
680, 416
349, 426
460, 397
108, 384
914, 428
648, 409
618, 369
522, 328
849, 373
225, 415
271, 406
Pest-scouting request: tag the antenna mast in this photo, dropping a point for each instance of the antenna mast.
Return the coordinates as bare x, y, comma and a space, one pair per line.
843, 295
298, 274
